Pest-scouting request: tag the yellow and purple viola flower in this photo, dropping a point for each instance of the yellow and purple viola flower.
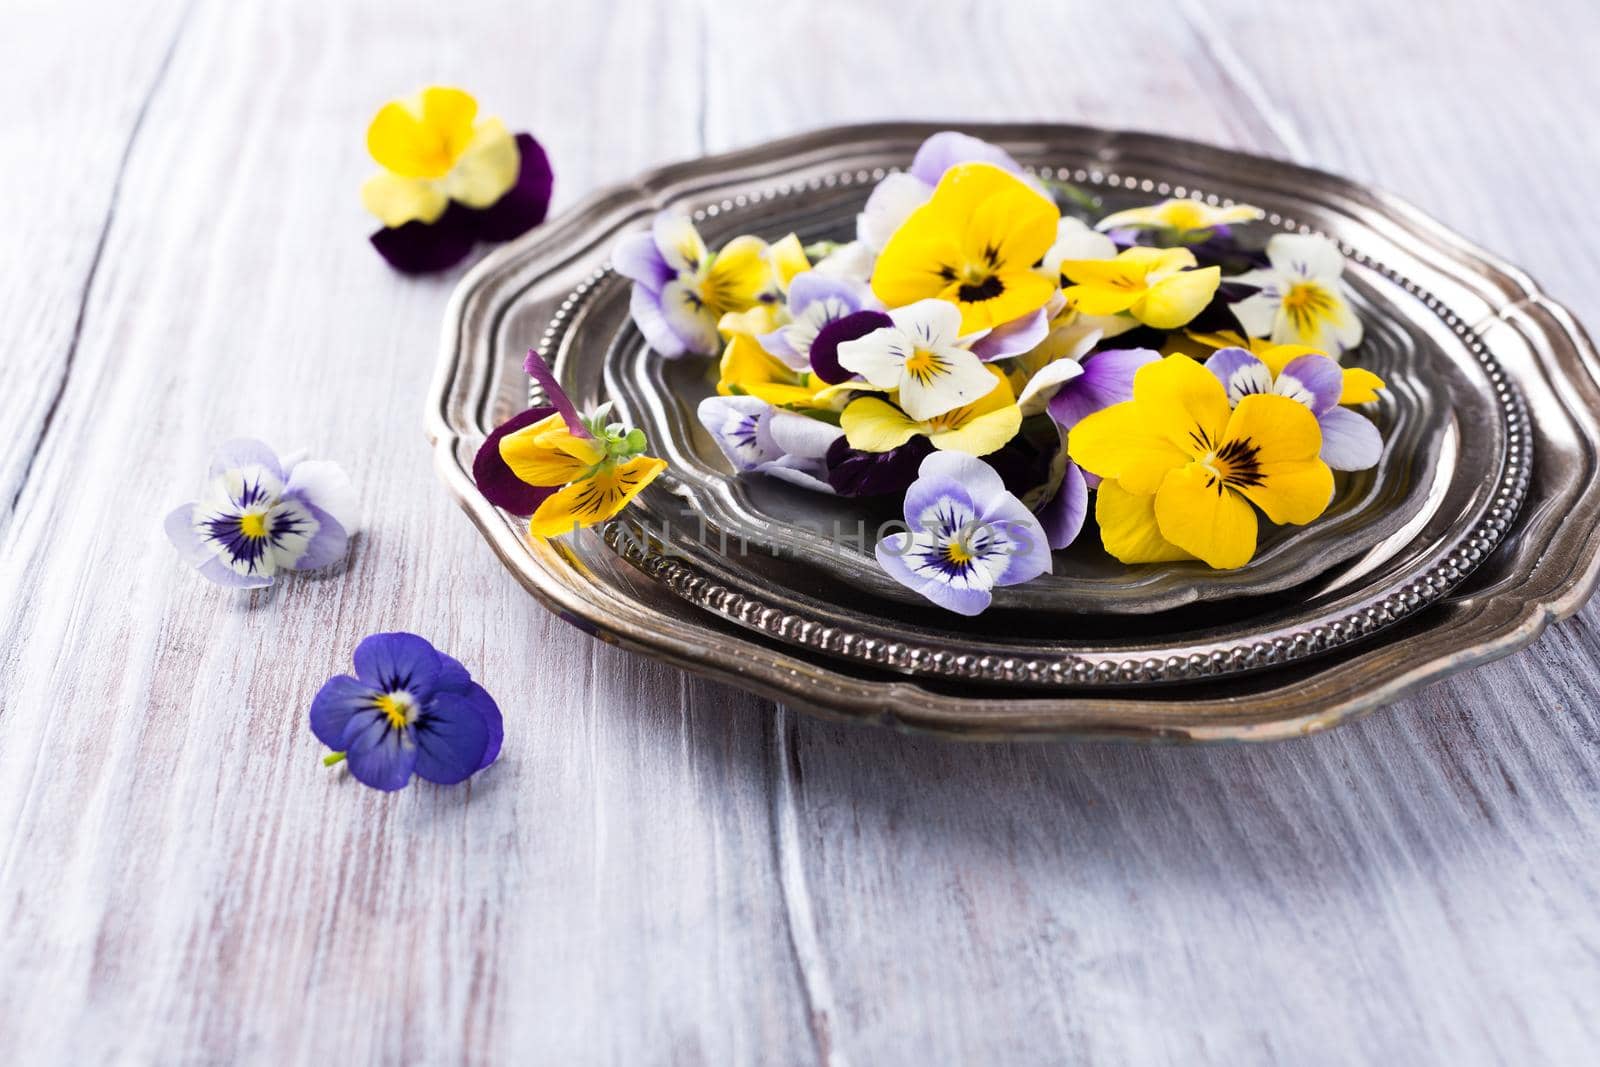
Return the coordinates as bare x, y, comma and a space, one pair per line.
1159, 287
975, 244
1178, 222
899, 194
1350, 442
682, 289
966, 535
1184, 470
450, 180
1301, 296
563, 470
985, 425
260, 517
757, 437
408, 710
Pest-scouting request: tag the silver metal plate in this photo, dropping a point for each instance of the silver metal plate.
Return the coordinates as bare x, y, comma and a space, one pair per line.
1464, 471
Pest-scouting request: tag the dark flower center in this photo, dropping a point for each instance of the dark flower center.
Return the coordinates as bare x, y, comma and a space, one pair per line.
977, 292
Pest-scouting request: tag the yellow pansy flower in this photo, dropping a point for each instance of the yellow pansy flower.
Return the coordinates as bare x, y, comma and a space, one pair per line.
872, 424
1159, 287
1188, 221
598, 466
974, 243
434, 150
1203, 462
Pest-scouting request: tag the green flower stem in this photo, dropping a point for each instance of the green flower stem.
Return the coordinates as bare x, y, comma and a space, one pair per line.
331, 758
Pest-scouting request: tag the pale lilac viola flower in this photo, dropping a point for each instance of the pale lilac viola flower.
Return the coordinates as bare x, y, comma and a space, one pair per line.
1350, 442
899, 194
967, 535
757, 437
814, 301
260, 516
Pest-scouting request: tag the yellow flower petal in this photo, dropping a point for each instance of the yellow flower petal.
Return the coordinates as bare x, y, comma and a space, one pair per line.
1184, 401
1199, 515
761, 319
1121, 442
487, 168
739, 274
397, 201
980, 434
594, 499
1277, 357
423, 138
747, 369
1128, 527
1100, 300
973, 243
788, 259
1360, 386
547, 454
874, 425
1177, 298
1293, 485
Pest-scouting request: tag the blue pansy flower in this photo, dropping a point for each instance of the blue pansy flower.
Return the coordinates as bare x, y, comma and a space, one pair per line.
410, 709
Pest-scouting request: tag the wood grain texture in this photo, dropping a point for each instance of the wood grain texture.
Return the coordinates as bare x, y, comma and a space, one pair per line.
660, 869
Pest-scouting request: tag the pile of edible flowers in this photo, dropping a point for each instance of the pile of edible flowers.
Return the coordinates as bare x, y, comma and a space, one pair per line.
1007, 368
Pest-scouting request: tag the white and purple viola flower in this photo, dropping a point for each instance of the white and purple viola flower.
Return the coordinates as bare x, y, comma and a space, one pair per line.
755, 436
814, 301
1350, 442
923, 356
966, 535
260, 516
1301, 296
409, 709
899, 194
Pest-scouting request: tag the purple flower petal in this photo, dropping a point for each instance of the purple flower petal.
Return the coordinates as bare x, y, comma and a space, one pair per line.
896, 556
852, 472
1107, 379
335, 704
327, 546
809, 287
495, 479
451, 738
1350, 442
246, 452
636, 256
453, 677
526, 203
1013, 338
492, 719
425, 247
378, 755
651, 319
545, 379
392, 661
946, 149
1241, 373
1315, 381
1063, 514
218, 572
825, 349
1028, 555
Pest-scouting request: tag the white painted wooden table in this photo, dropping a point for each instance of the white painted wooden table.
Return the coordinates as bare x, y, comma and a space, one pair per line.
659, 869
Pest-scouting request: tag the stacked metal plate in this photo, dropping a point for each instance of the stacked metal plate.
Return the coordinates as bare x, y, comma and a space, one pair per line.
1474, 531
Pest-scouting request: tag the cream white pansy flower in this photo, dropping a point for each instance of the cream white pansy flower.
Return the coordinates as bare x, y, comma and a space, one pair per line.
922, 356
1302, 297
